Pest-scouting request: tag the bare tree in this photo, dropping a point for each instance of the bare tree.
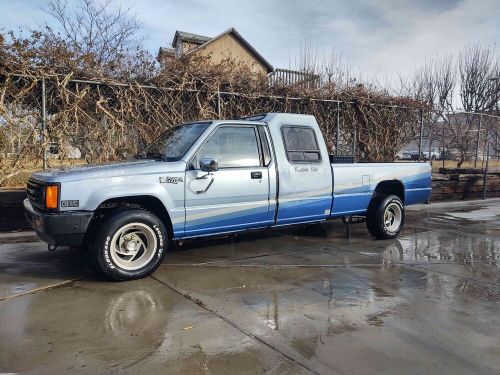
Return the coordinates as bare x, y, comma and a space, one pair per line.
333, 71
454, 85
477, 65
96, 27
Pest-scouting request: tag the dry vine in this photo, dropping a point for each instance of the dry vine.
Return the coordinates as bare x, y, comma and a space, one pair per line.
108, 117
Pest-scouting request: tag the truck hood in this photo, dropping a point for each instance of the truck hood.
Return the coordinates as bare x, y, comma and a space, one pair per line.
113, 169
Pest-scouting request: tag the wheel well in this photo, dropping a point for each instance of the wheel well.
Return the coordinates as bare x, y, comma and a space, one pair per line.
147, 202
391, 187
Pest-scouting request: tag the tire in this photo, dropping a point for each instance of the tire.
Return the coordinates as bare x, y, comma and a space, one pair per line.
131, 244
390, 208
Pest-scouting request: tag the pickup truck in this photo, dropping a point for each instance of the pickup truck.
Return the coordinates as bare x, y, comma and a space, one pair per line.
210, 178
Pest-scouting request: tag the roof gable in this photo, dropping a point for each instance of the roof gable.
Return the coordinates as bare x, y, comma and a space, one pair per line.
189, 37
242, 40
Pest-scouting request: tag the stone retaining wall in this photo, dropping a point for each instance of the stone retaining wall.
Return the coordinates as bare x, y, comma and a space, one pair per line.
462, 184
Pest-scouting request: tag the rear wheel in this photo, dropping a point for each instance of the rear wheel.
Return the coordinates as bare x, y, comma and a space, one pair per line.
131, 244
385, 217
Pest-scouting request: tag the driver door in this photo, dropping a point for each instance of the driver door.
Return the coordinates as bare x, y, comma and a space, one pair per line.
236, 195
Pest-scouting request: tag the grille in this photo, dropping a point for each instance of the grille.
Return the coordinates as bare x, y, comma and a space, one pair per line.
35, 190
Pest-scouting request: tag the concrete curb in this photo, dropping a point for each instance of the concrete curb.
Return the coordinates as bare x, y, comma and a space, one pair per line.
17, 237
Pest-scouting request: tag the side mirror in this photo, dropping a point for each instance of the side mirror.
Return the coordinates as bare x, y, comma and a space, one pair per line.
208, 165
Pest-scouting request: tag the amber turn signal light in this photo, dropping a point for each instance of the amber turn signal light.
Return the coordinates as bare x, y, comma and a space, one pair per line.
51, 195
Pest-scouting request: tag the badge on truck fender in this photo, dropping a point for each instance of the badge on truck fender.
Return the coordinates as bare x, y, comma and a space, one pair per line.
70, 203
170, 180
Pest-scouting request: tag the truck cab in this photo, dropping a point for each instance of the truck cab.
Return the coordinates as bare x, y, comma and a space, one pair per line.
216, 177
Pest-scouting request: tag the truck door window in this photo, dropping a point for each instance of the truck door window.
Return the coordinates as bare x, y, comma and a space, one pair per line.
232, 146
300, 144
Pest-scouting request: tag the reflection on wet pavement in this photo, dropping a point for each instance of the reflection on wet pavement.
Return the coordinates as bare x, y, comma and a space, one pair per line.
298, 300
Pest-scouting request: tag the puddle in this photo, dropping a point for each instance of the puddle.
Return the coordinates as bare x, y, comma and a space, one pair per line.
486, 213
434, 247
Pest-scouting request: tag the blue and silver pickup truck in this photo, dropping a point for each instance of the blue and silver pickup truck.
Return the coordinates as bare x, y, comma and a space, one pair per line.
210, 178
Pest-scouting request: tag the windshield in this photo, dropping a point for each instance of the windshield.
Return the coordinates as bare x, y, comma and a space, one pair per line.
173, 144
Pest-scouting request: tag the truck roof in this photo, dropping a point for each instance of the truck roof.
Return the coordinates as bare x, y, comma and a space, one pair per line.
264, 117
275, 119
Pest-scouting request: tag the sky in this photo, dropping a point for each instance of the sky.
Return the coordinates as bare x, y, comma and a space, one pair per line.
379, 39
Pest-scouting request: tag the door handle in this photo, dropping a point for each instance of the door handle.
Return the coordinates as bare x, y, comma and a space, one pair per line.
256, 175
207, 187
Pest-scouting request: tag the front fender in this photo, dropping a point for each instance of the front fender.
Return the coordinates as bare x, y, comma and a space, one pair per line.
92, 192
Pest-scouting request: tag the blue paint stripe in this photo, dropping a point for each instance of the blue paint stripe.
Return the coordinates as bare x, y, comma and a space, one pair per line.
417, 196
424, 182
347, 201
251, 218
420, 180
350, 202
304, 209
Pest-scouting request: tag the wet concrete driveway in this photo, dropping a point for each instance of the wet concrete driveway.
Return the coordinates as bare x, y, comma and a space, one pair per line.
303, 300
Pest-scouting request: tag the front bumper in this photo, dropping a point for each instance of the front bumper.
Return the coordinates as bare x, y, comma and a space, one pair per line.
58, 228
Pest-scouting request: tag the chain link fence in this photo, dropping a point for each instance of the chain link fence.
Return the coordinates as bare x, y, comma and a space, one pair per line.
457, 139
56, 121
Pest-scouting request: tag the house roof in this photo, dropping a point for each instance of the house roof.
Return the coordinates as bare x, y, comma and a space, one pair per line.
243, 41
189, 37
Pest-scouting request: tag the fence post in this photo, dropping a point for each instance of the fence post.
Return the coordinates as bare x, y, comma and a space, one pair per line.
44, 119
442, 146
430, 140
477, 139
354, 146
218, 103
497, 154
485, 175
337, 134
421, 134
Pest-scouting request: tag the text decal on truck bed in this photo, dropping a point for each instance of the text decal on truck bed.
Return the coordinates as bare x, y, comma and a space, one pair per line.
306, 169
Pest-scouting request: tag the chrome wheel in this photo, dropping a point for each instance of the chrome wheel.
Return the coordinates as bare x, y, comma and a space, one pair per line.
133, 246
392, 217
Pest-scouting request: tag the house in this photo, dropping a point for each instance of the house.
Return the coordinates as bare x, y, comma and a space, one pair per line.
229, 44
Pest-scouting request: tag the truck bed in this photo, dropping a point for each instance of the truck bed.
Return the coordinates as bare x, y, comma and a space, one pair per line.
354, 184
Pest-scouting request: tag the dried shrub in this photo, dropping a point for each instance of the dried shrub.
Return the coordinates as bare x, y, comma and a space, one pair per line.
108, 112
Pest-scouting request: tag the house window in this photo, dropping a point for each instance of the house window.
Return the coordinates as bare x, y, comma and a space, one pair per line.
300, 144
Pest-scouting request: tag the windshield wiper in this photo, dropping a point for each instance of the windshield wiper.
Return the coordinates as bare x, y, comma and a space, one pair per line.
156, 155
140, 155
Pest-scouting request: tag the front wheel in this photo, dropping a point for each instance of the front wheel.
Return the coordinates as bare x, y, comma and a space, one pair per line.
385, 217
131, 244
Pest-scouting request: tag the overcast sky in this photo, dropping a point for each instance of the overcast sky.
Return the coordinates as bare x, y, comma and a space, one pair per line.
378, 38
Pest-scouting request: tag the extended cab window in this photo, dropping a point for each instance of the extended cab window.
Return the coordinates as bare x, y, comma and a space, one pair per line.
300, 144
231, 146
